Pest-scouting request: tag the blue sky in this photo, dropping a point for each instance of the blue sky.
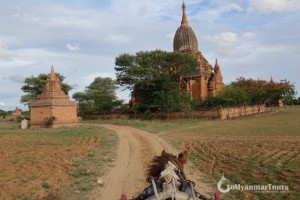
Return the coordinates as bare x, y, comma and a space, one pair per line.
81, 38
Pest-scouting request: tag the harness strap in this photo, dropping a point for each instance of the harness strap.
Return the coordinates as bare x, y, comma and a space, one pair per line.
154, 188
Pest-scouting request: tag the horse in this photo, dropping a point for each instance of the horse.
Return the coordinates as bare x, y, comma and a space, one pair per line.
168, 180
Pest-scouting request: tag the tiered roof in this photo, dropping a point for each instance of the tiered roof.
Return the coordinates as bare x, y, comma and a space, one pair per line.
52, 95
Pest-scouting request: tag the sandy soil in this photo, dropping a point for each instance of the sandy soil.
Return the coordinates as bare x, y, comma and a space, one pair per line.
28, 162
136, 149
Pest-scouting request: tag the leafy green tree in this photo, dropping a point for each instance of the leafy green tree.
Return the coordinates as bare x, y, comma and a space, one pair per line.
145, 66
154, 77
296, 101
256, 89
234, 96
249, 91
34, 86
261, 91
99, 96
288, 91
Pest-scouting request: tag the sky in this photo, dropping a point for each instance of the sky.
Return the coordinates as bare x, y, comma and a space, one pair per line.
81, 38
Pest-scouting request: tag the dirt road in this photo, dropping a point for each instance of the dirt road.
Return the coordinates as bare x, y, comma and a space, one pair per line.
136, 149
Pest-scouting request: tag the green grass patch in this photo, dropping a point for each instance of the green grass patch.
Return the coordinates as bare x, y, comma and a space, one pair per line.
280, 122
46, 186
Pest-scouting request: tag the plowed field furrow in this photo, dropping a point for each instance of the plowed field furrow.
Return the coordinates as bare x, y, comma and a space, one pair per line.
276, 155
291, 157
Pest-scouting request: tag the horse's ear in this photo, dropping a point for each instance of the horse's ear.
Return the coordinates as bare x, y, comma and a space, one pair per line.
183, 157
163, 152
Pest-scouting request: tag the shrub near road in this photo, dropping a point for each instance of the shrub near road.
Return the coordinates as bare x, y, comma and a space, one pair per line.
255, 150
52, 163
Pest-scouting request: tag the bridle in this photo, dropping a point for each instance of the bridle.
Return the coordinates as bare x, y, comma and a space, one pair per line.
172, 179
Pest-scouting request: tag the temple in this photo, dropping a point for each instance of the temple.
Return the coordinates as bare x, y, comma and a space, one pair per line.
207, 80
53, 103
16, 112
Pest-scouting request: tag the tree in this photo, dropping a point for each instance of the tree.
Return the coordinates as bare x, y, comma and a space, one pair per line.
234, 96
249, 91
288, 91
261, 91
256, 89
230, 96
34, 86
147, 66
154, 77
99, 96
3, 113
296, 101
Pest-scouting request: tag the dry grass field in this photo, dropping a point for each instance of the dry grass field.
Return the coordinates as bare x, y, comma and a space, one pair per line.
254, 150
53, 163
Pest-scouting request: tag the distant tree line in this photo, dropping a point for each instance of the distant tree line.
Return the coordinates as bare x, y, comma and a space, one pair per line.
155, 78
3, 113
296, 101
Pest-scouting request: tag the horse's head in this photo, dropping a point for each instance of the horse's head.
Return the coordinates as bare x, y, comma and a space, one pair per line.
159, 162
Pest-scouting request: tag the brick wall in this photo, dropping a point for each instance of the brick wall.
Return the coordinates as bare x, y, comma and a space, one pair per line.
221, 113
65, 116
225, 113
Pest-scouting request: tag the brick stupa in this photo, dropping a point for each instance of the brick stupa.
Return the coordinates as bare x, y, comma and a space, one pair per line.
53, 102
16, 112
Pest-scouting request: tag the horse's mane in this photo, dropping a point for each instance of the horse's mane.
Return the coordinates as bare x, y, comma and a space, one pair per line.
158, 163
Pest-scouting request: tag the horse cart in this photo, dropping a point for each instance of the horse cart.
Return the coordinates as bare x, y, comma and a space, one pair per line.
167, 181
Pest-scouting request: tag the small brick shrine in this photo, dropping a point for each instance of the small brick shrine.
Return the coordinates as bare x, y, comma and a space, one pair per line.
53, 102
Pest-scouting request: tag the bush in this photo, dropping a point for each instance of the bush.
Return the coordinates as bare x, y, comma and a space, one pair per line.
49, 121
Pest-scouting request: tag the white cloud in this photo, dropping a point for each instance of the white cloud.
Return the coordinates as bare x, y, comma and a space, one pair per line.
266, 6
30, 57
170, 36
248, 35
75, 85
5, 53
230, 44
227, 39
274, 49
16, 63
91, 77
56, 16
2, 104
73, 47
118, 38
236, 7
17, 78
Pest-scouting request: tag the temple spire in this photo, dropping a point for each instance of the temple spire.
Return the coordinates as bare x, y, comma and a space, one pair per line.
53, 83
52, 74
184, 21
216, 65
